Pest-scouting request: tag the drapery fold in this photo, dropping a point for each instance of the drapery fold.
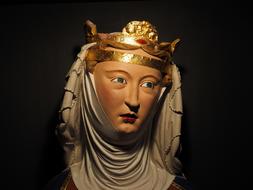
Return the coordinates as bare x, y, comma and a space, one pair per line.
99, 157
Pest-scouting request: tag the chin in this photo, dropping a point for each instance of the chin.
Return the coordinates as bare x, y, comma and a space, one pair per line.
127, 128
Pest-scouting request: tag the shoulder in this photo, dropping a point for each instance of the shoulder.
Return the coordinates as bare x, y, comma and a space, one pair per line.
180, 183
58, 181
64, 181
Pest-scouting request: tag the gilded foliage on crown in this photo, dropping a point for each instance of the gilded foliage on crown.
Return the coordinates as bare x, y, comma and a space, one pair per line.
141, 29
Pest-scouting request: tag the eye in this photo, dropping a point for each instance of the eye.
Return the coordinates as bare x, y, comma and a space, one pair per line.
148, 85
119, 80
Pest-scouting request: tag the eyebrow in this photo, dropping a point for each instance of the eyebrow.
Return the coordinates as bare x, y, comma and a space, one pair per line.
117, 71
152, 76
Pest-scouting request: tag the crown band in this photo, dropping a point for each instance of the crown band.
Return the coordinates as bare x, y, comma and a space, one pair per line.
100, 55
135, 35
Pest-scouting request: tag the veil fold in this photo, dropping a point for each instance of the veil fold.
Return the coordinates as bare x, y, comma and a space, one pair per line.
93, 149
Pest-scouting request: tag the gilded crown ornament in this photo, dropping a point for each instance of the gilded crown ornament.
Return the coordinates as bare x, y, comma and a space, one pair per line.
136, 34
141, 29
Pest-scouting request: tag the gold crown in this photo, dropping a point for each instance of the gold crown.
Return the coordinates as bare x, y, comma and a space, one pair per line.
136, 34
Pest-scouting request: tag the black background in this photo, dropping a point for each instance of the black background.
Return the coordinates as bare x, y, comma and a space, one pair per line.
39, 42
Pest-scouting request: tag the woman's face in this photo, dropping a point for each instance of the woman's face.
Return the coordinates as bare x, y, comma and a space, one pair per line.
126, 92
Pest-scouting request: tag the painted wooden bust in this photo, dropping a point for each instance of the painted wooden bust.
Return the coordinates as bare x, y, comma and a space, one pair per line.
121, 113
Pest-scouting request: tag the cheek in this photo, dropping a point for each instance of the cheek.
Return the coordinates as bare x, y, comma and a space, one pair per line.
147, 102
109, 98
104, 94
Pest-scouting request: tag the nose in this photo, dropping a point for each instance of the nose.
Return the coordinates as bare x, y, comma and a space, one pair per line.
132, 100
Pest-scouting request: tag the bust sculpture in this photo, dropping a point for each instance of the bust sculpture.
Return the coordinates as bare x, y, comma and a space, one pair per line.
121, 113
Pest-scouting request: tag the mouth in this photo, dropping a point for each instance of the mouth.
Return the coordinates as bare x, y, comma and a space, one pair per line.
129, 118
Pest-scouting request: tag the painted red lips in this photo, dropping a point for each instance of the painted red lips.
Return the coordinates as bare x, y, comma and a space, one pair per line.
129, 118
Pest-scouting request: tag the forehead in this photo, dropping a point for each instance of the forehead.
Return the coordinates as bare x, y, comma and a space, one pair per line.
133, 70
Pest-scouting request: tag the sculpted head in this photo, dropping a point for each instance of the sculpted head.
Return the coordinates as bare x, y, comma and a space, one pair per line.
127, 92
129, 68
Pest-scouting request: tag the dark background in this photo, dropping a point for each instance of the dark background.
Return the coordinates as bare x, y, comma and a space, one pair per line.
39, 42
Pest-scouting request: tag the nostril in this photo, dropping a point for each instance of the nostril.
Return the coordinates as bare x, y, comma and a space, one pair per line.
133, 108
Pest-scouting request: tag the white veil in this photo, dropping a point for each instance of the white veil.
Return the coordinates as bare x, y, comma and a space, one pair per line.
101, 158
